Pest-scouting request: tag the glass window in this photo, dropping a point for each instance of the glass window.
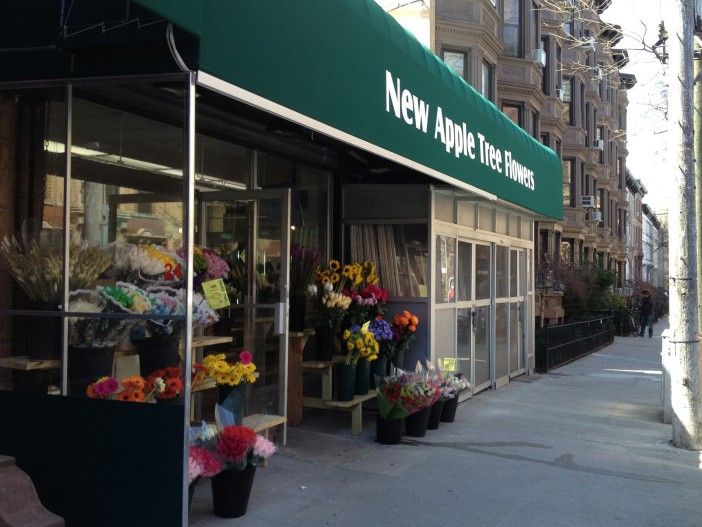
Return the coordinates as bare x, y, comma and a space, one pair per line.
466, 213
535, 33
535, 124
513, 111
545, 139
456, 60
568, 113
501, 268
482, 272
513, 273
487, 81
569, 182
512, 28
546, 73
445, 269
569, 26
465, 271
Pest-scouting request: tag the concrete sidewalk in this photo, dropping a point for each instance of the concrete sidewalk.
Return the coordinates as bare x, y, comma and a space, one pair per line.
581, 446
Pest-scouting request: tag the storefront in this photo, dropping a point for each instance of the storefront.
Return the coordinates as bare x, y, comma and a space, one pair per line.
245, 126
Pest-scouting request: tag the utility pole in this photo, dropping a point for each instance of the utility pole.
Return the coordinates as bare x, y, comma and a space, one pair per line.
697, 125
685, 375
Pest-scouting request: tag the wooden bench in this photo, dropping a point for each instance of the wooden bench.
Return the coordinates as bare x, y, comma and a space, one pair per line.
355, 406
325, 369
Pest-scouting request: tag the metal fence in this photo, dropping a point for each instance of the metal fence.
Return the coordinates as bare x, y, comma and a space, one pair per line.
559, 345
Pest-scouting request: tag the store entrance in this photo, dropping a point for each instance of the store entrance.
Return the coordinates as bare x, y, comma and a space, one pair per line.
251, 228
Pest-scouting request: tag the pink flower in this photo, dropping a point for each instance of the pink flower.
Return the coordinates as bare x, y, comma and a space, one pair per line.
194, 469
264, 448
208, 464
245, 357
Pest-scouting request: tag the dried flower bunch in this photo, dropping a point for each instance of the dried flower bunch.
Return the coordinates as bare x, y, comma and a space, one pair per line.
304, 263
38, 270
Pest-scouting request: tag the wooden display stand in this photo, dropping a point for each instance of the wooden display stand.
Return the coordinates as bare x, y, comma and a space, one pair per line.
355, 406
296, 344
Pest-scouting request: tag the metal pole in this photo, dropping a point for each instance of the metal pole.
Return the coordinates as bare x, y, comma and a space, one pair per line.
685, 374
697, 125
66, 238
188, 245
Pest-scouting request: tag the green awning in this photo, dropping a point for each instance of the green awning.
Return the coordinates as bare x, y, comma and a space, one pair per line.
347, 69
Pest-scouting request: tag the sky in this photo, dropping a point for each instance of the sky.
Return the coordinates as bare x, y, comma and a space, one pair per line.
646, 127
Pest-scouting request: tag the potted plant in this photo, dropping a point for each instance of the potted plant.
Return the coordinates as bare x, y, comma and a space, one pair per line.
92, 340
451, 387
231, 380
304, 263
404, 327
330, 309
362, 349
391, 411
418, 394
384, 336
38, 270
240, 449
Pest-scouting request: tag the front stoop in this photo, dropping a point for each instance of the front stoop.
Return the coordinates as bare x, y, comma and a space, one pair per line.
19, 501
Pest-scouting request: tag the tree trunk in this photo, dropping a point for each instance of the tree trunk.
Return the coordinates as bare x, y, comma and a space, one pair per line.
685, 379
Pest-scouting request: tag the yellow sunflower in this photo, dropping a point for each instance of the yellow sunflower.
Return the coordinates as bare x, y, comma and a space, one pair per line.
334, 265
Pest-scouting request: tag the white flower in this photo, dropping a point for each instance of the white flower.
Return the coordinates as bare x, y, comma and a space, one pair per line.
159, 385
312, 289
328, 288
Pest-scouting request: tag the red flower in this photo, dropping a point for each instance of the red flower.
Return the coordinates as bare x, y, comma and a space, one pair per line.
234, 443
208, 462
173, 388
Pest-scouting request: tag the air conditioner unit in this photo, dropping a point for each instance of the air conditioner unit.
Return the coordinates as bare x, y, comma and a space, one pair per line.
588, 44
599, 144
538, 56
588, 202
597, 72
596, 215
559, 94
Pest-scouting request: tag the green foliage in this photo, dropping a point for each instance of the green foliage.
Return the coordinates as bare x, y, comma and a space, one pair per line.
587, 290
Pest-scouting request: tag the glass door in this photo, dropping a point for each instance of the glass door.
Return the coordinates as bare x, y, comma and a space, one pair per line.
517, 294
480, 317
251, 229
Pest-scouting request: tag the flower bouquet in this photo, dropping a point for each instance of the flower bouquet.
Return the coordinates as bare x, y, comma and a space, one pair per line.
384, 336
207, 265
451, 386
330, 309
236, 280
367, 297
404, 327
419, 392
38, 270
92, 339
132, 389
147, 264
231, 380
303, 270
170, 384
362, 349
391, 411
240, 449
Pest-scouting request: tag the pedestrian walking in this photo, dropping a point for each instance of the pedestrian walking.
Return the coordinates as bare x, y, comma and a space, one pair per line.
646, 314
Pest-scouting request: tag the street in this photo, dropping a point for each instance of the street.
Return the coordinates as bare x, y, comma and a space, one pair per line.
581, 446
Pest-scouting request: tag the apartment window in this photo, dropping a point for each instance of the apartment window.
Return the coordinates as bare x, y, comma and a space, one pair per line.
569, 26
559, 67
583, 117
512, 28
583, 180
535, 124
456, 60
545, 139
601, 203
488, 79
569, 182
586, 123
514, 112
620, 172
558, 147
567, 250
599, 136
546, 73
587, 182
568, 100
535, 25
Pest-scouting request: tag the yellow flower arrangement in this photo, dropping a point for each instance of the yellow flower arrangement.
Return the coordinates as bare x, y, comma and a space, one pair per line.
361, 344
223, 372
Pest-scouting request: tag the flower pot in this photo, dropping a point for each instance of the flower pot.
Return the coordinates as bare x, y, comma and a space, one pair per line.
435, 415
345, 381
296, 320
231, 490
324, 338
157, 353
233, 398
362, 377
378, 367
388, 431
416, 423
448, 413
191, 492
86, 365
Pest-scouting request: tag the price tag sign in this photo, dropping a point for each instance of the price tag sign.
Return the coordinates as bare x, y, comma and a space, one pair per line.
216, 293
449, 364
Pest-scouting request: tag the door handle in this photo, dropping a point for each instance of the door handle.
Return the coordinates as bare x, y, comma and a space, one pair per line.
474, 318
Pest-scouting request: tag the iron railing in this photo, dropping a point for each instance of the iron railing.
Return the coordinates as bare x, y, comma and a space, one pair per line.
564, 343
